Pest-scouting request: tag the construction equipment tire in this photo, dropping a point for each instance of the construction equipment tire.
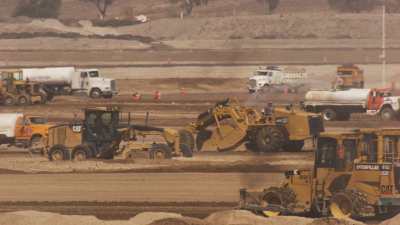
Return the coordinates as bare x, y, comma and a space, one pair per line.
282, 197
347, 204
9, 101
186, 138
23, 100
58, 153
202, 136
160, 151
344, 116
294, 146
269, 139
81, 153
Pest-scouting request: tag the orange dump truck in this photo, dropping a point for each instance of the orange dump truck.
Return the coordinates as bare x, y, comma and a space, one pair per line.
22, 130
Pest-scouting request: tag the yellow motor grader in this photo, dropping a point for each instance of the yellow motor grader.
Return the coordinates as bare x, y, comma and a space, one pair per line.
103, 134
356, 174
229, 124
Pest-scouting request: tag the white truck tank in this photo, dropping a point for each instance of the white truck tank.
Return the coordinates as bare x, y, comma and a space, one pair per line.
351, 96
55, 76
8, 122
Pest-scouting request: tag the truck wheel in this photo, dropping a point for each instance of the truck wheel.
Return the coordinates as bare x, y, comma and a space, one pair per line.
23, 100
58, 153
329, 114
160, 151
387, 114
270, 139
347, 204
9, 101
343, 116
294, 146
36, 144
95, 93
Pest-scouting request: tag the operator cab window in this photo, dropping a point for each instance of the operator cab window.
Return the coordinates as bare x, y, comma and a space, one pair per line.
391, 146
326, 153
369, 148
38, 120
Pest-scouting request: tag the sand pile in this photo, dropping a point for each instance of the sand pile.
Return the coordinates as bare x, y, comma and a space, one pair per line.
44, 218
392, 221
239, 217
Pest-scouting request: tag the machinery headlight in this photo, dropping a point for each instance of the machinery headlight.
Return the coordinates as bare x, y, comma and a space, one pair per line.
282, 120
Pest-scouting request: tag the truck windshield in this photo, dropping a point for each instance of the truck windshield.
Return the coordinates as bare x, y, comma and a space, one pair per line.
94, 74
38, 120
261, 73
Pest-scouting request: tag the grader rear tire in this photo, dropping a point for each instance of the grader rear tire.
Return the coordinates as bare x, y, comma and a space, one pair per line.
270, 139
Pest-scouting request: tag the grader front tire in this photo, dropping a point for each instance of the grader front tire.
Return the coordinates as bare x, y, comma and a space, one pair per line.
270, 139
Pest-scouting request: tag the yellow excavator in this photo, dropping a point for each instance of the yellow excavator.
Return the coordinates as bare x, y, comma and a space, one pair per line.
228, 125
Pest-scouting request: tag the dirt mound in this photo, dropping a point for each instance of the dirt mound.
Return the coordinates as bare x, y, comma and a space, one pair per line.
44, 218
236, 217
180, 221
392, 221
150, 218
333, 221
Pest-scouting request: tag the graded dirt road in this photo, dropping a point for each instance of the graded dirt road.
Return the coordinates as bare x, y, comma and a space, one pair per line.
114, 58
131, 187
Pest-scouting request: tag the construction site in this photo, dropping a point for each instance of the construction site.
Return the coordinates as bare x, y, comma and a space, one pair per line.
199, 112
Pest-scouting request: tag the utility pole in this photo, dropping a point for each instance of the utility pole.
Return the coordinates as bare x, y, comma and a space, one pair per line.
384, 44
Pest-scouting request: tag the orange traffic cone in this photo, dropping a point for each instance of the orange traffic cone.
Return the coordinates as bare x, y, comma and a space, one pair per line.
183, 92
136, 96
157, 95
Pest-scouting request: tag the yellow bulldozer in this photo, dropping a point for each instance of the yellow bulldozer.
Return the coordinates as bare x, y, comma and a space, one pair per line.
356, 174
229, 124
103, 134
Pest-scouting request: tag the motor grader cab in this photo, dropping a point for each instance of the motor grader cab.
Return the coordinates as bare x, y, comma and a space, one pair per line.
229, 124
349, 76
356, 174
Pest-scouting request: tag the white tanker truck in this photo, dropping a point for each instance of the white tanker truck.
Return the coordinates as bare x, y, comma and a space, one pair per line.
340, 104
69, 80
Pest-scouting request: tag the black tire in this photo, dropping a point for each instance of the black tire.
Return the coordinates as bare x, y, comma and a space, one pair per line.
58, 153
329, 114
49, 97
347, 204
294, 146
278, 196
81, 153
23, 100
106, 152
95, 93
107, 96
159, 152
186, 138
35, 141
251, 146
9, 101
387, 114
202, 136
270, 139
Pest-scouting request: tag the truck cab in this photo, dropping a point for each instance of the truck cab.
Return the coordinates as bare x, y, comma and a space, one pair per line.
95, 86
269, 76
349, 76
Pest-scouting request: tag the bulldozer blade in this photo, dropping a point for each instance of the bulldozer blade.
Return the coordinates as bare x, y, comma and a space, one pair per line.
270, 213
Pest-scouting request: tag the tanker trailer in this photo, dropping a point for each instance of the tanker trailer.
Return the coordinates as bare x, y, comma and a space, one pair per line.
340, 104
69, 80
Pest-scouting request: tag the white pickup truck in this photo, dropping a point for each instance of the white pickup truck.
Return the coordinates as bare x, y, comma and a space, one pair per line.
276, 76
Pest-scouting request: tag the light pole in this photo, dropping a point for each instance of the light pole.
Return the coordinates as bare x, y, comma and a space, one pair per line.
383, 56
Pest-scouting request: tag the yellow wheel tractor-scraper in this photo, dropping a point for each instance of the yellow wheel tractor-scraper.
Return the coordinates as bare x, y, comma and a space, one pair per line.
356, 174
229, 124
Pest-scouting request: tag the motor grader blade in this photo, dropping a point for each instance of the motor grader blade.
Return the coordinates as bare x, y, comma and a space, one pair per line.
223, 138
